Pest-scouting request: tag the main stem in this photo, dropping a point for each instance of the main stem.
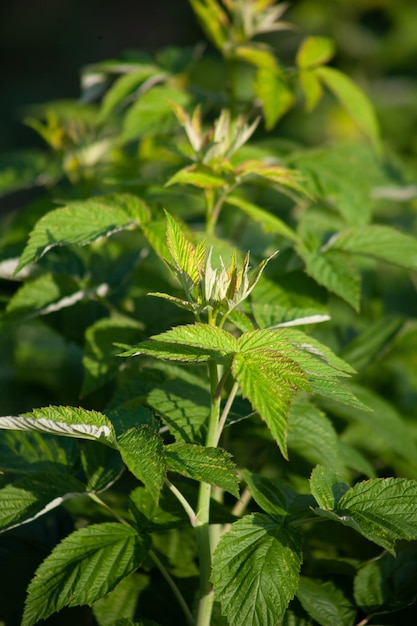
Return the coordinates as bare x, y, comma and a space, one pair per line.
202, 529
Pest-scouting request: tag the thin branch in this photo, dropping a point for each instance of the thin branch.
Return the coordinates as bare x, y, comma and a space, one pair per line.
177, 593
184, 502
226, 411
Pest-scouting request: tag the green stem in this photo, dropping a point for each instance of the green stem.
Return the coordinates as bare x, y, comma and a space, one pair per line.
202, 529
226, 411
177, 593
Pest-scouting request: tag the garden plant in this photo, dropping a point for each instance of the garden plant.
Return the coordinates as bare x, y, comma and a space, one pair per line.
209, 340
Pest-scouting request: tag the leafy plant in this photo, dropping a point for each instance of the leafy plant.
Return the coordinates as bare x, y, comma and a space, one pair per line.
242, 436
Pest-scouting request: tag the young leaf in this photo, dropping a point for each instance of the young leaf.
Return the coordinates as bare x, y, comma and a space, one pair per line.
326, 604
275, 96
27, 499
142, 451
269, 380
193, 342
209, 465
315, 51
188, 259
81, 223
379, 242
84, 567
311, 87
353, 100
255, 570
197, 175
64, 420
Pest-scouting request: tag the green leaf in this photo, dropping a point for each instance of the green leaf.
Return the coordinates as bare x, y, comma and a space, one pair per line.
275, 96
81, 223
152, 114
204, 464
368, 347
383, 424
188, 259
102, 466
197, 175
276, 498
334, 271
24, 452
269, 380
315, 51
311, 87
212, 19
311, 434
388, 583
278, 174
327, 487
43, 295
121, 602
84, 567
183, 407
192, 342
256, 55
269, 222
255, 570
381, 509
27, 499
64, 420
22, 169
124, 87
353, 100
326, 604
142, 451
379, 242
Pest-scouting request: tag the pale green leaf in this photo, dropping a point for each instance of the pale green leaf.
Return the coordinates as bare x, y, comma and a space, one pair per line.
204, 464
142, 451
388, 583
64, 420
325, 602
192, 342
152, 114
353, 100
334, 271
269, 222
269, 380
256, 55
198, 175
311, 87
313, 346
29, 498
84, 567
81, 223
379, 242
124, 87
213, 20
186, 256
255, 570
275, 96
278, 174
315, 51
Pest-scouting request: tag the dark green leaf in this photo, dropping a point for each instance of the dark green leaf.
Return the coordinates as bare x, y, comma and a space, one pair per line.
327, 604
142, 451
84, 567
255, 570
210, 465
